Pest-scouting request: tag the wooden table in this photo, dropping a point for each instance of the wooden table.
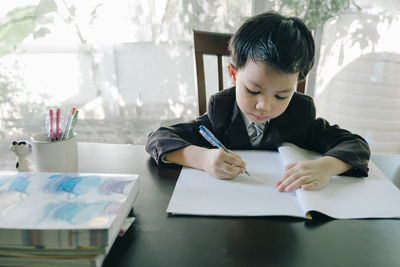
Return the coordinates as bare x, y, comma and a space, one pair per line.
157, 239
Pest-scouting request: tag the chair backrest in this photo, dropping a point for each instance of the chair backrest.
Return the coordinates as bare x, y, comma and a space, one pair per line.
208, 43
212, 43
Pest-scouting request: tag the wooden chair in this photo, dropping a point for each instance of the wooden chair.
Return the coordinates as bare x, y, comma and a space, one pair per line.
212, 43
208, 43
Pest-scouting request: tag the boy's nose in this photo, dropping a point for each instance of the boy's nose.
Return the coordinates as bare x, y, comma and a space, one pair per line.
264, 103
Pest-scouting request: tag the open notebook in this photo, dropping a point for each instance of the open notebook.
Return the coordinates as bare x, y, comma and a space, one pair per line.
197, 193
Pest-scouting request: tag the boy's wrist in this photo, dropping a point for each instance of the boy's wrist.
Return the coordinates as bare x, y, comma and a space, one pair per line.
334, 166
201, 157
190, 156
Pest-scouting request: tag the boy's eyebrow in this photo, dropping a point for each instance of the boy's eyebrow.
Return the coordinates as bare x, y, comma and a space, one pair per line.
287, 90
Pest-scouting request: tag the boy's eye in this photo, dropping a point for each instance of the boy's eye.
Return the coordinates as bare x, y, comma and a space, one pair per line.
281, 97
252, 92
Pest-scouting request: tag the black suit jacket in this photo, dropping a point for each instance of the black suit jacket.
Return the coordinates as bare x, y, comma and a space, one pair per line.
297, 125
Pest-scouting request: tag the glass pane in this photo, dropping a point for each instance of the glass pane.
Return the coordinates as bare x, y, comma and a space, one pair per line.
127, 65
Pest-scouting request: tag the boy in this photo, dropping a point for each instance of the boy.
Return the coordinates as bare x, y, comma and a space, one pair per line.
270, 53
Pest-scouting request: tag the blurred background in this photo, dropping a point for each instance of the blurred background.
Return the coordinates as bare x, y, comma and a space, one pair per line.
128, 65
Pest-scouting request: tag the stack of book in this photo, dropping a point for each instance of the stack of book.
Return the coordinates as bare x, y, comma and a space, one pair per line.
62, 219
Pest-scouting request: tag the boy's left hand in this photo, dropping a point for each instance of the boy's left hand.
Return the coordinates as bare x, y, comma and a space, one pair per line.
310, 174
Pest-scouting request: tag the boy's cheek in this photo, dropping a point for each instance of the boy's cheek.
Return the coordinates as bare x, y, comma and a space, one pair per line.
244, 104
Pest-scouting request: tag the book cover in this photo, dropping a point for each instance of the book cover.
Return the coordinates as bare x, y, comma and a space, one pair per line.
64, 210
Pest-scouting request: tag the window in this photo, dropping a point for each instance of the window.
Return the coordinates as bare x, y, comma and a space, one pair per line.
127, 64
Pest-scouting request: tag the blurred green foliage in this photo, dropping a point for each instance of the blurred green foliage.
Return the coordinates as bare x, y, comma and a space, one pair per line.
22, 22
313, 12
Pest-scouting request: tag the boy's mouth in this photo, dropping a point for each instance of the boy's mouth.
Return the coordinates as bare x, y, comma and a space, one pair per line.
259, 118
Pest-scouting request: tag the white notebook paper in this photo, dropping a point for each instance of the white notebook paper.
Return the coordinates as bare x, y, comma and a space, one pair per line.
197, 193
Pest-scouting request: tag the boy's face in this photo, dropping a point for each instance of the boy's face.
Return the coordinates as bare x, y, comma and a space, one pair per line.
262, 93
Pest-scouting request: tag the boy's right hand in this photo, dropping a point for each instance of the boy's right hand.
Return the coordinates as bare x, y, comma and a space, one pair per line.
221, 164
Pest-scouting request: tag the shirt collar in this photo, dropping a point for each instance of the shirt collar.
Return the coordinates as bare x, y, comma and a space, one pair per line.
245, 119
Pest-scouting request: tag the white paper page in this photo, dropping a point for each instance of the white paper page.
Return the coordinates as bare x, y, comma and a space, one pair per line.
343, 197
374, 196
292, 153
197, 193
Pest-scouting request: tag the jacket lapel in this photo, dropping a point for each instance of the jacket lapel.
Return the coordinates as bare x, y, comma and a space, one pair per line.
272, 133
236, 136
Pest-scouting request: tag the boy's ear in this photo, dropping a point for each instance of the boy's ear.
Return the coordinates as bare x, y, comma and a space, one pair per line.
232, 73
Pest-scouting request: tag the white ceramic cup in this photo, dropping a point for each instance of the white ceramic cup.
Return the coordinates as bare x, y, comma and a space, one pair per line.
56, 156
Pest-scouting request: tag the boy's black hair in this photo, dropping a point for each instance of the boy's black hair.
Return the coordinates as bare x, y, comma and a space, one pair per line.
284, 43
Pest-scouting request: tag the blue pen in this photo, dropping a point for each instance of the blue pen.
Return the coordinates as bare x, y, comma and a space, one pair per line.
215, 142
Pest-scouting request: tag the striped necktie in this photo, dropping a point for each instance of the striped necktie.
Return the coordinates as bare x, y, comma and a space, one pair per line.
257, 130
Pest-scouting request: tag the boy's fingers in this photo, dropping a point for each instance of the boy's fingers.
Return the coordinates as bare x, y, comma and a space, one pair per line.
293, 168
283, 178
229, 168
292, 172
289, 166
224, 174
298, 183
292, 181
234, 159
